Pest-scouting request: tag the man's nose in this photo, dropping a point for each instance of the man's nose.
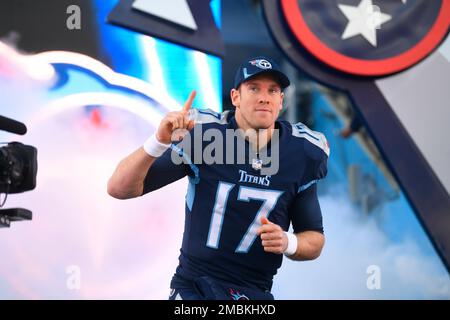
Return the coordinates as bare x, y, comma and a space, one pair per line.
263, 98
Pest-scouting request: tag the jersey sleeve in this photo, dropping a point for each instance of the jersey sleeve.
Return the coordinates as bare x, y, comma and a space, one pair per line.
305, 211
171, 166
316, 170
316, 150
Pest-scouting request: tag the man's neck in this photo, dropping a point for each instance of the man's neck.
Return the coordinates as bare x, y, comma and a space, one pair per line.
258, 138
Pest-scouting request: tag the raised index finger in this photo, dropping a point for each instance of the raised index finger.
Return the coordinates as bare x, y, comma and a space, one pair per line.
188, 103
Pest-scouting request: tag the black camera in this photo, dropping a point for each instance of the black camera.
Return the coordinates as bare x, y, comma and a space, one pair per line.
18, 170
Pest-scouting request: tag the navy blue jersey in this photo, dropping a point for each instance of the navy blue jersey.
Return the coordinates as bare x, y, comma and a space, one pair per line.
225, 202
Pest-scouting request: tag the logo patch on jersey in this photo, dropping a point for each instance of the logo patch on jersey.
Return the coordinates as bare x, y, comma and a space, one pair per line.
236, 295
257, 164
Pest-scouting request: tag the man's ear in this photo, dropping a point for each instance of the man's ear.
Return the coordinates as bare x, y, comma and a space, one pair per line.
281, 102
235, 97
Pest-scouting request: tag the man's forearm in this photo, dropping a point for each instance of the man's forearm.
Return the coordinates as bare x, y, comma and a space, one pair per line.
127, 180
309, 245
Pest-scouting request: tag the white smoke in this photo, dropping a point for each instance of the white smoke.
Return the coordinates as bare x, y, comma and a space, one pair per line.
123, 249
354, 242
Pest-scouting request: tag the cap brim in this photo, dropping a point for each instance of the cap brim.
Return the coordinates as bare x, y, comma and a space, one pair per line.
283, 80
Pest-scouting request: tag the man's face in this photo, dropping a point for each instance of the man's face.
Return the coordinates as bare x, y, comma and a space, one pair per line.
258, 102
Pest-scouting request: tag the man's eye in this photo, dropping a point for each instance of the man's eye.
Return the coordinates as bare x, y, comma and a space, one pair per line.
253, 89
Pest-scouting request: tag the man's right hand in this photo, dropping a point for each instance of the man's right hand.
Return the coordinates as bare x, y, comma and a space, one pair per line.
176, 124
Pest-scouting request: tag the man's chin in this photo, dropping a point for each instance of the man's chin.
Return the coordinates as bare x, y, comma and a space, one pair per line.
262, 126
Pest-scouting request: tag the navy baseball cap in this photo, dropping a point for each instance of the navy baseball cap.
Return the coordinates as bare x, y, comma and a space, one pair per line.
258, 65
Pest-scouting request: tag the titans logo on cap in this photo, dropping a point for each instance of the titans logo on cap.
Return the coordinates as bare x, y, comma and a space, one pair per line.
261, 63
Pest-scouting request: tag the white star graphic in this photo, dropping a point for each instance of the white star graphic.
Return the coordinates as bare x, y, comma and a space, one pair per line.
363, 20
